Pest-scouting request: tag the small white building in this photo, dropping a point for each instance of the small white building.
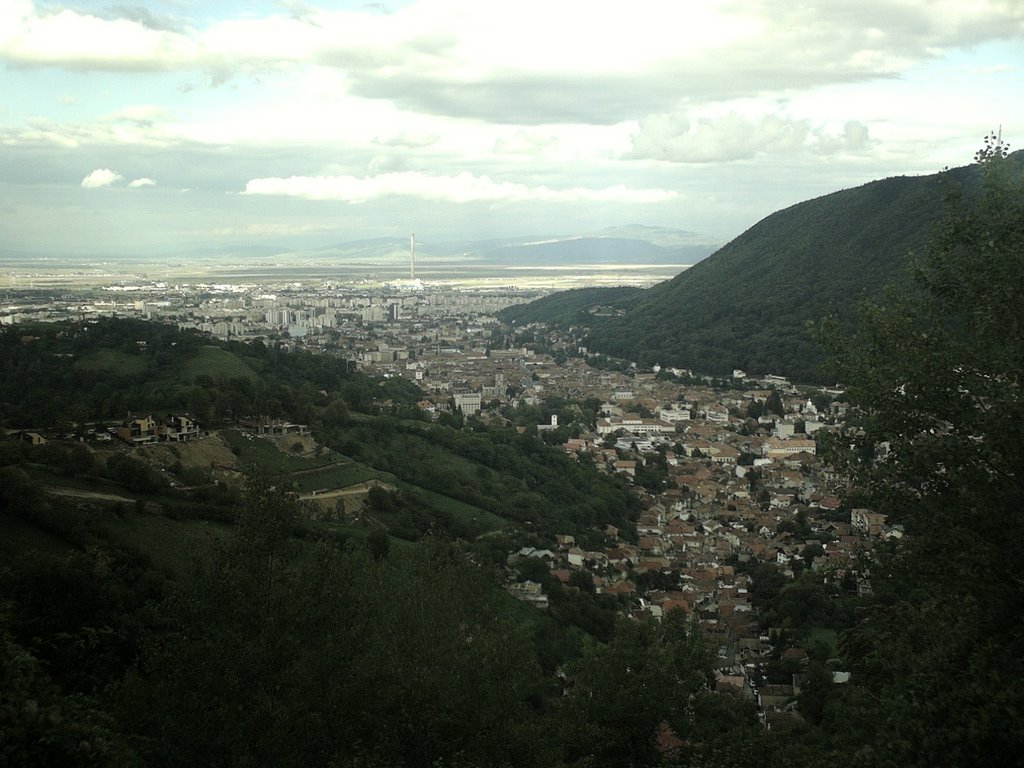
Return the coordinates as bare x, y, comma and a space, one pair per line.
467, 402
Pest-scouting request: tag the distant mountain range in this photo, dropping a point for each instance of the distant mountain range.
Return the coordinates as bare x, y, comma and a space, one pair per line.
748, 305
631, 244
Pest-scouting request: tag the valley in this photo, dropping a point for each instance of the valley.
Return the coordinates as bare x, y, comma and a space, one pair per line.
451, 524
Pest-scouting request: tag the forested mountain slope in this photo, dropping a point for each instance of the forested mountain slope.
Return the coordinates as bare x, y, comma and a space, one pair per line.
570, 307
748, 305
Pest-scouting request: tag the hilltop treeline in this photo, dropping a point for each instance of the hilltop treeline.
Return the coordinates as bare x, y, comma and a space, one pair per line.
59, 373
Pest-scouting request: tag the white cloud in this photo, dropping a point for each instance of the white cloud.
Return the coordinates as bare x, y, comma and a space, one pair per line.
534, 61
101, 177
593, 63
82, 41
41, 133
461, 188
138, 125
142, 182
273, 229
142, 114
853, 138
674, 137
408, 140
526, 144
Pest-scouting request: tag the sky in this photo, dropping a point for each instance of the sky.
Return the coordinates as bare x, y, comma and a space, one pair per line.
157, 127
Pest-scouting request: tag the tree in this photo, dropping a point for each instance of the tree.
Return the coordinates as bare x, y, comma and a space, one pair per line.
307, 654
810, 552
18, 492
582, 580
774, 404
134, 474
755, 409
335, 413
378, 544
936, 380
41, 726
625, 690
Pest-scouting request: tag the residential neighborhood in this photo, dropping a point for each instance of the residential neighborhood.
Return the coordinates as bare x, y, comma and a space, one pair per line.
733, 493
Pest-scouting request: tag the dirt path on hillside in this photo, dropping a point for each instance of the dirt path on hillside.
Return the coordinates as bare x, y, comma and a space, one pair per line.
93, 495
350, 497
349, 490
321, 468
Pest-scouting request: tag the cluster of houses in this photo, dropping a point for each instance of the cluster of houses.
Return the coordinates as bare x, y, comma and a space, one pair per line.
173, 428
738, 492
134, 430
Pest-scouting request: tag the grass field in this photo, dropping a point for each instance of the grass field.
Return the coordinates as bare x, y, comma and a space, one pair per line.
216, 363
479, 520
360, 532
173, 545
18, 536
339, 475
419, 451
267, 457
87, 486
112, 361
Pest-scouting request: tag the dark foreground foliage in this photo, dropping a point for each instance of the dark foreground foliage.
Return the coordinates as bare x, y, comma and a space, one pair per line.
937, 376
285, 651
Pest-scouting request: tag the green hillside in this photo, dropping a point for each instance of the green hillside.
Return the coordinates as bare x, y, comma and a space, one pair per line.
215, 362
569, 307
748, 305
445, 481
133, 576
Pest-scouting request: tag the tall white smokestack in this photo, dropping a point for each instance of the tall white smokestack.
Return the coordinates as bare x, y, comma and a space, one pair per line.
412, 256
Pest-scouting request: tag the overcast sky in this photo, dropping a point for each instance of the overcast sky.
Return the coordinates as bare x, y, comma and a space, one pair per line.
134, 127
